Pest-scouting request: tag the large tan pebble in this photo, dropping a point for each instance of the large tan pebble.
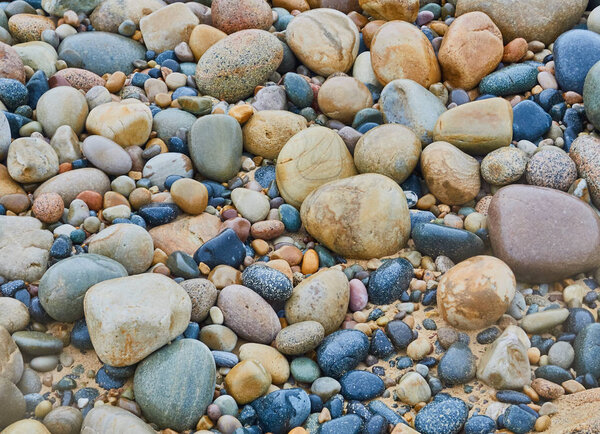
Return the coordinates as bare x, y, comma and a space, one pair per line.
202, 38
127, 123
114, 420
340, 98
31, 159
405, 10
247, 381
300, 337
166, 27
364, 216
268, 131
27, 426
59, 106
272, 360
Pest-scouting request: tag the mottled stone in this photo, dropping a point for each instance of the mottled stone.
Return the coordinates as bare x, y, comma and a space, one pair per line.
186, 233
128, 123
69, 184
111, 13
166, 27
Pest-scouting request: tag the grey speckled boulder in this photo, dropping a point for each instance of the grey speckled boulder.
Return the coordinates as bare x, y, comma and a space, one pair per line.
235, 65
174, 385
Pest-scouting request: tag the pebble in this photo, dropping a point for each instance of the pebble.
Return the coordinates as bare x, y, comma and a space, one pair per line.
341, 352
444, 414
551, 168
299, 338
504, 166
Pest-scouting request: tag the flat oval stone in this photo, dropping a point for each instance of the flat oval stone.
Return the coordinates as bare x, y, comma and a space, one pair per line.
310, 159
235, 65
458, 244
523, 219
159, 213
59, 106
447, 415
13, 403
115, 420
272, 360
510, 80
11, 65
102, 52
128, 122
69, 184
109, 14
268, 131
174, 385
248, 314
64, 418
63, 286
215, 143
37, 343
31, 160
300, 337
364, 216
30, 426
269, 283
457, 365
106, 155
342, 351
390, 281
504, 166
38, 55
361, 385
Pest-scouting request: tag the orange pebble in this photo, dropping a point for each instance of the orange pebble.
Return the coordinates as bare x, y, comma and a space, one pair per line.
159, 142
241, 113
298, 430
310, 262
64, 167
92, 199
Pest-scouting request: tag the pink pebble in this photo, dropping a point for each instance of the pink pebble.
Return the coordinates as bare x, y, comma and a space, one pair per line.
358, 295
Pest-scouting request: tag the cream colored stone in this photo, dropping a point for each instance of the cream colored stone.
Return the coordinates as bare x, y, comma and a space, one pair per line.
267, 131
166, 27
31, 159
272, 360
128, 122
341, 97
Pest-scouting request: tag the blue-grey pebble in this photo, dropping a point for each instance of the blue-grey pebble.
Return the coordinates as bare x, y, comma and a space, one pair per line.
269, 283
342, 351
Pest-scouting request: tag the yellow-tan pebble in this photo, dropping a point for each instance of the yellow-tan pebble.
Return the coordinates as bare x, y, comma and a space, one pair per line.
202, 38
272, 360
281, 265
291, 254
475, 221
268, 131
224, 275
159, 142
341, 97
26, 426
419, 348
189, 195
42, 409
310, 262
241, 113
162, 99
115, 82
247, 381
261, 247
139, 197
542, 423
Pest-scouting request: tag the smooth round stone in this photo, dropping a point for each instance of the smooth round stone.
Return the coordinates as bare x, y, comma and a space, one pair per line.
400, 50
11, 360
480, 424
586, 351
269, 283
413, 388
341, 97
475, 293
358, 295
405, 10
304, 370
29, 426
585, 151
189, 195
203, 295
248, 314
37, 343
38, 55
361, 385
300, 337
215, 143
59, 106
106, 155
530, 121
451, 175
390, 281
472, 48
64, 420
167, 27
80, 78
364, 216
115, 420
234, 66
504, 166
160, 167
231, 17
167, 122
282, 410
290, 217
577, 320
12, 93
310, 159
128, 244
444, 414
218, 337
12, 403
325, 387
408, 103
252, 205
14, 315
272, 360
109, 14
63, 286
11, 65
126, 123
342, 351
392, 150
30, 160
457, 244
268, 131
575, 52
510, 80
174, 386
102, 52
477, 127
44, 363
203, 37
457, 366
591, 94
227, 405
551, 168
561, 354
130, 317
30, 382
322, 297
298, 90
325, 40
247, 381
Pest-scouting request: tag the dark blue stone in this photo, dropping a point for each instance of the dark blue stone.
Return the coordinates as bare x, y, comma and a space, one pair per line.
24, 110
2, 210
342, 351
280, 411
183, 91
170, 180
429, 324
553, 373
512, 397
192, 331
79, 164
156, 214
13, 93
269, 283
428, 361
549, 97
139, 78
61, 248
283, 21
359, 409
168, 54
417, 216
376, 425
589, 381
457, 365
248, 415
150, 55
587, 351
488, 335
120, 373
575, 52
77, 236
15, 122
216, 201
349, 424
366, 127
577, 320
23, 296
435, 384
412, 183
173, 65
177, 145
326, 259
37, 311
480, 425
264, 175
224, 249
37, 86
9, 289
379, 407
518, 420
225, 359
530, 121
290, 217
444, 415
572, 119
316, 403
404, 362
80, 336
569, 136
557, 111
381, 347
511, 80
106, 381
458, 244
361, 385
459, 96
367, 115
335, 405
399, 333
298, 90
154, 73
389, 281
